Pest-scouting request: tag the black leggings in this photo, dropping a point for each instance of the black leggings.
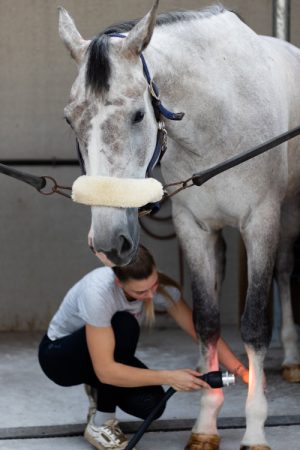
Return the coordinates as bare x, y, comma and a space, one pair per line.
67, 362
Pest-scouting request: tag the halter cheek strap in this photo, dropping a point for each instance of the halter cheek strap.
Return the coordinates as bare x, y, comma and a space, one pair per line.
159, 110
80, 158
153, 89
154, 92
160, 148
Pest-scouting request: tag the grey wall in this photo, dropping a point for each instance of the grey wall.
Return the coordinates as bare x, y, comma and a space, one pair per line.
36, 71
43, 240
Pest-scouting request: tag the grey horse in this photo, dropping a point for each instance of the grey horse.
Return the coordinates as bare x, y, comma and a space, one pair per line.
237, 89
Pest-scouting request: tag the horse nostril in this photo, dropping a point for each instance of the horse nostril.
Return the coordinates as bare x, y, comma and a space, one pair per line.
126, 244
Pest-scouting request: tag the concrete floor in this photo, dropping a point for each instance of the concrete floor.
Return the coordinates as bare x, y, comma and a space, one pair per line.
31, 404
279, 438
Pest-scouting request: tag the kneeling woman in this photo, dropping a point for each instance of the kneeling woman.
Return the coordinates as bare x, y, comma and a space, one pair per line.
92, 340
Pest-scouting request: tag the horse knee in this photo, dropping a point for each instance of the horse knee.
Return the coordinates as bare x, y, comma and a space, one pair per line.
256, 331
255, 323
206, 315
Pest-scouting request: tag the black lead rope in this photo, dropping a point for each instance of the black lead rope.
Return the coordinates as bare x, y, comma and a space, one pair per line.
38, 182
199, 178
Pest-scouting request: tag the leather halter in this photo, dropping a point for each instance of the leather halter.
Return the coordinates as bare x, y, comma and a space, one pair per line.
159, 110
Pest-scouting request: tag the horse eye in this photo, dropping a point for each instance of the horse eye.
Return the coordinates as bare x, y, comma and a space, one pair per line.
138, 117
68, 122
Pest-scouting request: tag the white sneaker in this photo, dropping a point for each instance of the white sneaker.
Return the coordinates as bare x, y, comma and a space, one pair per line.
107, 436
92, 396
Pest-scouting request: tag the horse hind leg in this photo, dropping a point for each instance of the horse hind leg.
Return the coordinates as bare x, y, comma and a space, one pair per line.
290, 220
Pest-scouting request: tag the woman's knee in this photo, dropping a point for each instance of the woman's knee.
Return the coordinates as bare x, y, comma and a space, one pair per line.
123, 320
140, 402
149, 405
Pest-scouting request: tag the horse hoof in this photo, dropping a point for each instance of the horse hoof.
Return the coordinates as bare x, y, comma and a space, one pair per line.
291, 373
201, 441
255, 447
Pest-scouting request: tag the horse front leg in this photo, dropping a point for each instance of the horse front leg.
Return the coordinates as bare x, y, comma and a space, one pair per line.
261, 238
204, 252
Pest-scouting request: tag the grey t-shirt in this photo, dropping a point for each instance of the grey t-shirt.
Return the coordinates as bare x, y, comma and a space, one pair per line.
95, 299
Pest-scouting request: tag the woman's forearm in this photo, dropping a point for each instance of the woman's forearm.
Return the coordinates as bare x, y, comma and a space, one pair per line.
122, 375
127, 376
227, 357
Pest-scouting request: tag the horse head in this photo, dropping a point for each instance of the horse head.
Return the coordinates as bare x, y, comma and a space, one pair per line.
111, 114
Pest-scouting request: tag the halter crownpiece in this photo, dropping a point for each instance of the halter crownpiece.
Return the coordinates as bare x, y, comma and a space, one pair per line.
116, 192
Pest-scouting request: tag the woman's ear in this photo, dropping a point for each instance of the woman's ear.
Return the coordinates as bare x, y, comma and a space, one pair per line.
118, 282
103, 258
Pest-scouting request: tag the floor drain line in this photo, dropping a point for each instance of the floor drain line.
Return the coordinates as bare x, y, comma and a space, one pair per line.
71, 430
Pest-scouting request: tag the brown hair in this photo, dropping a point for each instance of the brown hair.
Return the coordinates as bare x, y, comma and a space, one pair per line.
164, 281
142, 267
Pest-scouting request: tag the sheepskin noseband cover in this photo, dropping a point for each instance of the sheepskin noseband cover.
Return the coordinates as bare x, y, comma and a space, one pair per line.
116, 192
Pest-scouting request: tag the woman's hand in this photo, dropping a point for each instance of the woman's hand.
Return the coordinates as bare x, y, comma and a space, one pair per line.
241, 372
186, 380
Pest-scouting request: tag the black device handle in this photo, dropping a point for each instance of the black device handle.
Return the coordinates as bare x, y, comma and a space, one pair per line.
137, 436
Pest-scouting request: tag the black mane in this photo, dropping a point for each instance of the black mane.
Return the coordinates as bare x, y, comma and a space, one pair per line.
98, 68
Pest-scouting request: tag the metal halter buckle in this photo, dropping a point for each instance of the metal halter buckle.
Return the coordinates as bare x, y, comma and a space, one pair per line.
152, 91
164, 137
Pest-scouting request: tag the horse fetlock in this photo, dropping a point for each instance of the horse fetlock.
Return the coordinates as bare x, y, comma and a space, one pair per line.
212, 401
201, 441
291, 357
254, 439
291, 351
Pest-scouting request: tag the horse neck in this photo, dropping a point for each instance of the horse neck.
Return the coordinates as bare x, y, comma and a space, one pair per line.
186, 61
174, 47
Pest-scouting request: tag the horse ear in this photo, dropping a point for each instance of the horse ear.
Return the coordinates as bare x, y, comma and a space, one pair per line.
139, 37
71, 36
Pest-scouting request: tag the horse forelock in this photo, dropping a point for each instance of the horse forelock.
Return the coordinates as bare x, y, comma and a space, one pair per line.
98, 67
